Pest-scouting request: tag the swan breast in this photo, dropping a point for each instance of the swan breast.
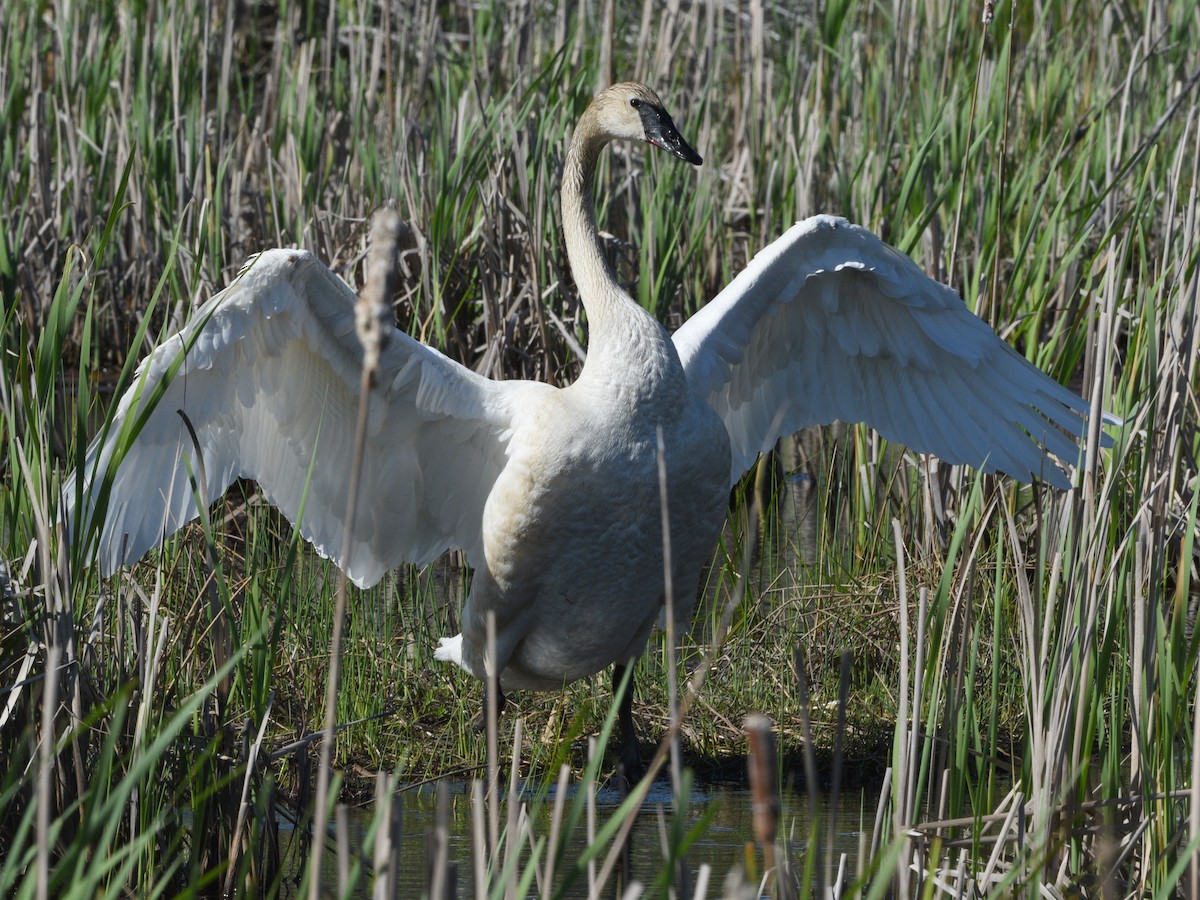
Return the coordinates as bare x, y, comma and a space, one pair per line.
573, 536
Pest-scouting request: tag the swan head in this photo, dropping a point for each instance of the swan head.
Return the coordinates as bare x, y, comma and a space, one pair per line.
632, 111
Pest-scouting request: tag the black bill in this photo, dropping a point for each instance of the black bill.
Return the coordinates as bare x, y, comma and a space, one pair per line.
661, 132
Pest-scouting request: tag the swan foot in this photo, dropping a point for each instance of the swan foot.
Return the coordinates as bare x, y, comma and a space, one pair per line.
450, 649
479, 723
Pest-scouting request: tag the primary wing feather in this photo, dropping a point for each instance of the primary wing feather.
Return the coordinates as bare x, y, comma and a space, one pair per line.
271, 385
828, 322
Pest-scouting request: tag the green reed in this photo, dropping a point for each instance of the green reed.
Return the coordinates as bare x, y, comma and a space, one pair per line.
1022, 681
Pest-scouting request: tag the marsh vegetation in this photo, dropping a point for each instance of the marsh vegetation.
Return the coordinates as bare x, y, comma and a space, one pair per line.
1011, 669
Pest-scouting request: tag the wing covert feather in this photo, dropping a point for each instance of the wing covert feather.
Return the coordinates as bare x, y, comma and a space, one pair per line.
271, 386
828, 322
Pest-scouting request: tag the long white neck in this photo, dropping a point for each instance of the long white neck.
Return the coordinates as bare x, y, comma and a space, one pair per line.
615, 321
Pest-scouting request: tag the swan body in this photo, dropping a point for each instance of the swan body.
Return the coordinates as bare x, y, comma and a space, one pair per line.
553, 493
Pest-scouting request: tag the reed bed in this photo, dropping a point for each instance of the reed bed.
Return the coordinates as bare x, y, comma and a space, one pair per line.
1012, 670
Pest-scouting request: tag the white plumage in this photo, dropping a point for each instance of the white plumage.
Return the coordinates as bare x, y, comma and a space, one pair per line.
271, 386
828, 323
554, 493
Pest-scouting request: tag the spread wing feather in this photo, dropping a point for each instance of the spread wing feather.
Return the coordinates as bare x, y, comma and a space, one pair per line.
828, 322
268, 374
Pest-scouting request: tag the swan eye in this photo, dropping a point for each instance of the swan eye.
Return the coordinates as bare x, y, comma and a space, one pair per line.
635, 103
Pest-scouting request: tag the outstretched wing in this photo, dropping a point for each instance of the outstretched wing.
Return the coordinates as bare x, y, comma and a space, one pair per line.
829, 322
270, 383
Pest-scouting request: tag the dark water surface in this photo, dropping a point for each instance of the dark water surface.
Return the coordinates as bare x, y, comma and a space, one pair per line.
725, 841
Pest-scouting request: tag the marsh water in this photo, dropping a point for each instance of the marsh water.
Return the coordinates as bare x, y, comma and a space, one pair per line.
724, 842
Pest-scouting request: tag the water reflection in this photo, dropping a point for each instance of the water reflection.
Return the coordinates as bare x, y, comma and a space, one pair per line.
722, 844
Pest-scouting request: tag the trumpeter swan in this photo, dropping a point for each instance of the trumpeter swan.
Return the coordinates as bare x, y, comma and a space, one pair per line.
554, 493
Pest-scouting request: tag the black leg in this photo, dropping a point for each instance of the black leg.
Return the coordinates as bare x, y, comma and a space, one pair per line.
629, 762
479, 723
630, 754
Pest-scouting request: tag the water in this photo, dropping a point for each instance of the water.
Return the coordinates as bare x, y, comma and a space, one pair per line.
723, 844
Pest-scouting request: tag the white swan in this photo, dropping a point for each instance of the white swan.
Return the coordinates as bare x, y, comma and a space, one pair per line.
554, 494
